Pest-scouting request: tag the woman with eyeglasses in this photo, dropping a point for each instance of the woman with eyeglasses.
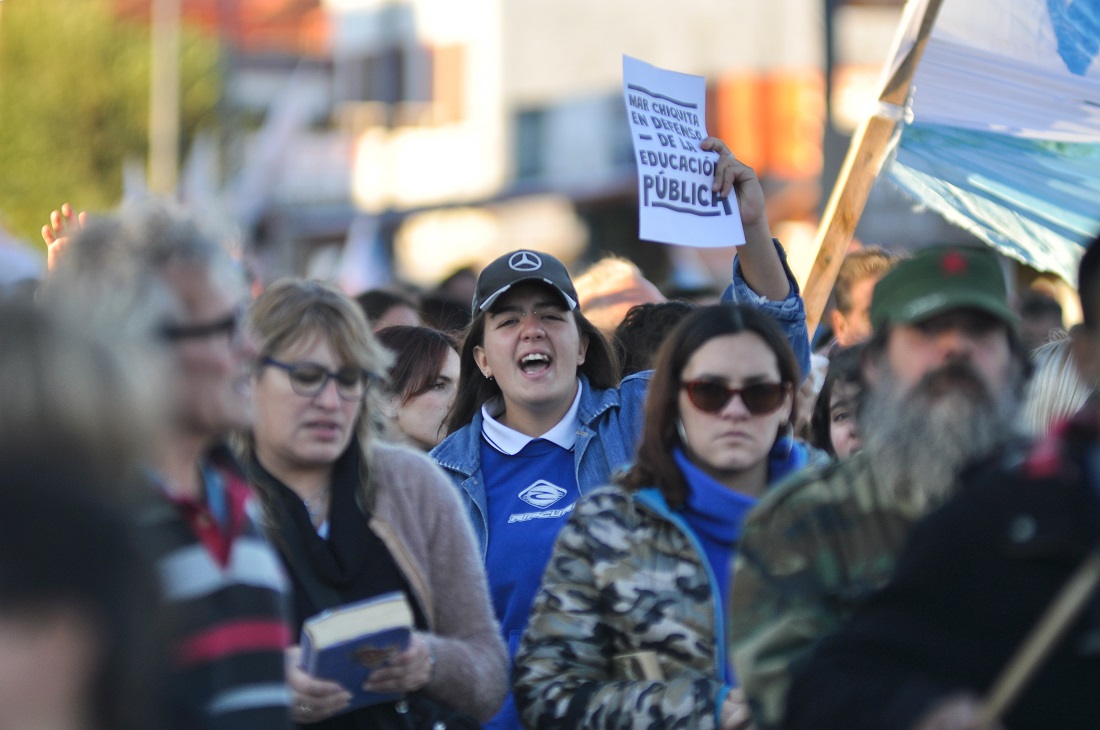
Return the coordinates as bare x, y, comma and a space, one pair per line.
629, 622
356, 518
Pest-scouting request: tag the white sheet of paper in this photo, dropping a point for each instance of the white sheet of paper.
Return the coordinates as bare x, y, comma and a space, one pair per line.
667, 115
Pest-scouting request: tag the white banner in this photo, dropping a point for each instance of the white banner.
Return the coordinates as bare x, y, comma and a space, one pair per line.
676, 203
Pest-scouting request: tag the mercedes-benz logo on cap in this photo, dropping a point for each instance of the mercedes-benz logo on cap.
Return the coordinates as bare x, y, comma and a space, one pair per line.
524, 261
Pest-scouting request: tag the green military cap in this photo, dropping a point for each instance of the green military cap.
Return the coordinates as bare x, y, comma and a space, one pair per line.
938, 279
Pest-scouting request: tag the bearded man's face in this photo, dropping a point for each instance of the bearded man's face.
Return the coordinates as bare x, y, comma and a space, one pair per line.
959, 335
941, 395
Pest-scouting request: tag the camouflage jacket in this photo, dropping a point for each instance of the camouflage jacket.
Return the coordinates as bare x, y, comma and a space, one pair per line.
625, 632
811, 551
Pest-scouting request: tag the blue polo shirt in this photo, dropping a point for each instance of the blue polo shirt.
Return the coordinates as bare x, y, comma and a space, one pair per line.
531, 489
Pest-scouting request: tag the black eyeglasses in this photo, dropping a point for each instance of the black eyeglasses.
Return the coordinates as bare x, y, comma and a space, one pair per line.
711, 396
307, 379
229, 325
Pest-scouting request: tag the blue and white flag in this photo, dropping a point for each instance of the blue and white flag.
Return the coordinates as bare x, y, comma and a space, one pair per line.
1003, 135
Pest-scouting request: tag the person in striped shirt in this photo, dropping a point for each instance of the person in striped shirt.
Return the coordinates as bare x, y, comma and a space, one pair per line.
227, 596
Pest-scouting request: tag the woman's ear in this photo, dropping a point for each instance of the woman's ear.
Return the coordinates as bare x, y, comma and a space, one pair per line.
787, 409
482, 361
583, 350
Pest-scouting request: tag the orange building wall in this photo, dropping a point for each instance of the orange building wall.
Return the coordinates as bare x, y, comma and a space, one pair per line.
772, 121
290, 26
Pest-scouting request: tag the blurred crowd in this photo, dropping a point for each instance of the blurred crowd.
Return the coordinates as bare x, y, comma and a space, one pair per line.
606, 508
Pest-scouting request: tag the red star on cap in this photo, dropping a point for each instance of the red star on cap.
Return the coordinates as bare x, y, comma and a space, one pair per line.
953, 264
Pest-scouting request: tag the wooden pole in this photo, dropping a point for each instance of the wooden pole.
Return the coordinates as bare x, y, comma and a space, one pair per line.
868, 150
1044, 636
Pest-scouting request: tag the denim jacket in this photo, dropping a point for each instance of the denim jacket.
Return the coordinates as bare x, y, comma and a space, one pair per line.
610, 426
610, 420
789, 313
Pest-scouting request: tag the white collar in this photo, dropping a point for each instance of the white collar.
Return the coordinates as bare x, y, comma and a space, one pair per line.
510, 441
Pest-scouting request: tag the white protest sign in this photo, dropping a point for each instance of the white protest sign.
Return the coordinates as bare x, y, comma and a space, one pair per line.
676, 204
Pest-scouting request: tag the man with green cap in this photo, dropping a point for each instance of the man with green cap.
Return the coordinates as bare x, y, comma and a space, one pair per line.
943, 374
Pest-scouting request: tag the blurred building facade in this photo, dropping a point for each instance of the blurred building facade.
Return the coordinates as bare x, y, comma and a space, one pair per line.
407, 138
494, 124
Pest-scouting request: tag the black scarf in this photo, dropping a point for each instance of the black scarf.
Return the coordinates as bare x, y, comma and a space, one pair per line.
353, 561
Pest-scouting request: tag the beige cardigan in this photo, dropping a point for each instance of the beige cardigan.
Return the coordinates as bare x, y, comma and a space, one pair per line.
418, 516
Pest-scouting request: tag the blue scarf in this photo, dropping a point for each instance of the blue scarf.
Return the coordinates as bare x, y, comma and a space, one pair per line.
715, 514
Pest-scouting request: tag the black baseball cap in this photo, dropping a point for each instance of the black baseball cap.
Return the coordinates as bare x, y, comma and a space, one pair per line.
522, 265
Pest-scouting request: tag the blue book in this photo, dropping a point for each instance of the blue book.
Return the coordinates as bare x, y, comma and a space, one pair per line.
345, 644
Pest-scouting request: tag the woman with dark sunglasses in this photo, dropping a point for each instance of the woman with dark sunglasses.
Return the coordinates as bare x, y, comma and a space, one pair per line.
541, 418
629, 618
355, 518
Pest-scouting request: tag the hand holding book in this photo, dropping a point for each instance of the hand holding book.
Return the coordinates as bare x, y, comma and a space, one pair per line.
367, 648
312, 699
406, 672
316, 699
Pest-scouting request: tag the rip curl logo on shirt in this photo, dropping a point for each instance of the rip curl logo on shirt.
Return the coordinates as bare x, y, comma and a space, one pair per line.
524, 261
542, 494
550, 514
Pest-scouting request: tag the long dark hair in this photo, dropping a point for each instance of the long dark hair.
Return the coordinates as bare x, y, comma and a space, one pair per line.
600, 366
844, 369
419, 354
655, 464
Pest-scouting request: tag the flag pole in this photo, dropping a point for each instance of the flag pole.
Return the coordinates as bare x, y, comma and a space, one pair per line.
868, 150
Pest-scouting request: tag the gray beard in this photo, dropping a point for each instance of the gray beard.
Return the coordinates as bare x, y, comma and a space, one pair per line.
918, 440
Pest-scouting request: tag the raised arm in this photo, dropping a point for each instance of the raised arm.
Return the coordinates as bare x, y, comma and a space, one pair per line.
761, 265
761, 276
63, 223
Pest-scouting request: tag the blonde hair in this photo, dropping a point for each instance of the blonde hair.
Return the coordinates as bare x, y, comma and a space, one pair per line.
1056, 390
857, 266
609, 287
608, 271
294, 310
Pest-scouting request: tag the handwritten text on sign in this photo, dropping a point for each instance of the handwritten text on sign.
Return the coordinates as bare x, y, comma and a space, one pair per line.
676, 204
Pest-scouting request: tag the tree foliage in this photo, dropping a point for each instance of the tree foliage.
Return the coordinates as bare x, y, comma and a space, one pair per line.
74, 105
